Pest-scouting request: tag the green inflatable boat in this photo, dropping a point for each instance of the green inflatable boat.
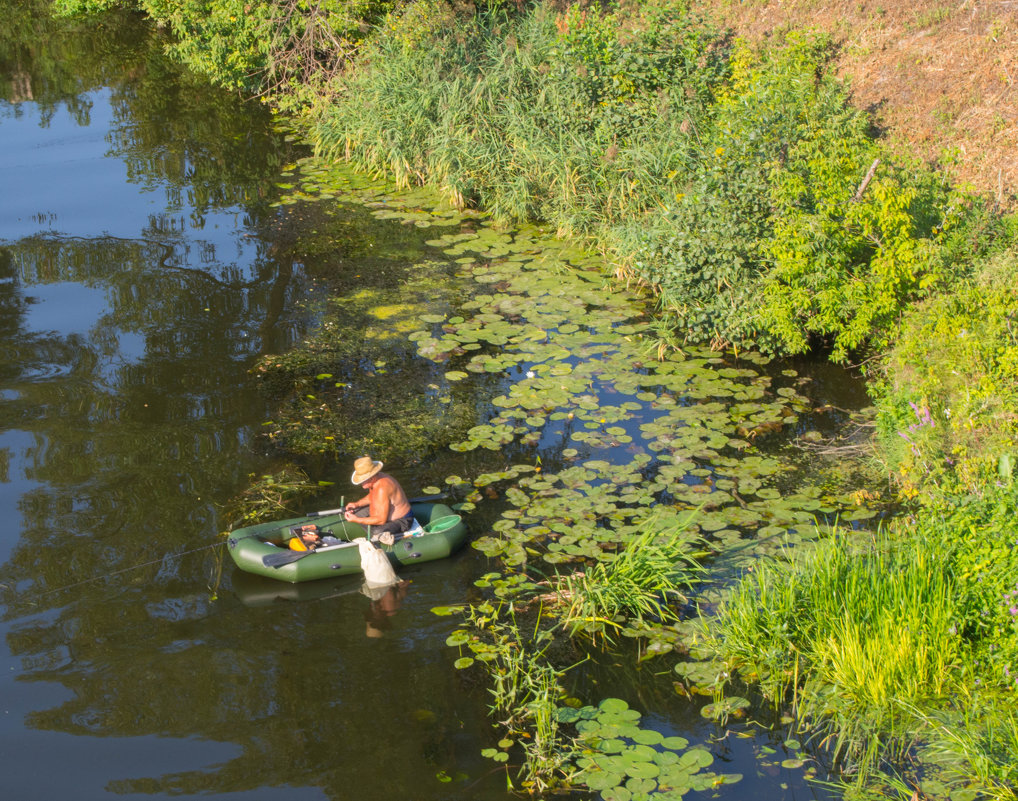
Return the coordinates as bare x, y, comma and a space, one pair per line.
262, 549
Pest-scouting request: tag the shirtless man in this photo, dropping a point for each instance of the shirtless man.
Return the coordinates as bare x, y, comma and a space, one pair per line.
385, 508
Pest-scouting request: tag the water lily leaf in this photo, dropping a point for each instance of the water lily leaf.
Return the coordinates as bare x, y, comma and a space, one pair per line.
640, 785
566, 714
695, 758
445, 611
642, 770
612, 706
647, 737
601, 780
640, 753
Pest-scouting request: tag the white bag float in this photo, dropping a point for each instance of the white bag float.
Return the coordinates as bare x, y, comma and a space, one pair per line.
377, 569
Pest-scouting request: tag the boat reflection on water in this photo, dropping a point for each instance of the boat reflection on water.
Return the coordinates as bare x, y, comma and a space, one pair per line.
255, 591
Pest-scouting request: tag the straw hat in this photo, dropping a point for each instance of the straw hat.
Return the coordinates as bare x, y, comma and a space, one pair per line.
363, 469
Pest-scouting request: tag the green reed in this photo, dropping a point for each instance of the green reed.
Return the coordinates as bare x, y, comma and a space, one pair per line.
642, 582
979, 742
536, 116
851, 631
525, 690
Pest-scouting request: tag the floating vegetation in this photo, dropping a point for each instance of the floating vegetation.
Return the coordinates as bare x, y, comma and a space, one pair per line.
621, 760
582, 382
271, 496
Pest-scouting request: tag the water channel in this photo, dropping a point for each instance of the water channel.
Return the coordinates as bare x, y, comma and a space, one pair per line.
144, 271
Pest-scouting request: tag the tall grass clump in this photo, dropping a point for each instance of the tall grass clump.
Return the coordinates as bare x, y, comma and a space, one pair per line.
572, 117
642, 583
906, 636
848, 631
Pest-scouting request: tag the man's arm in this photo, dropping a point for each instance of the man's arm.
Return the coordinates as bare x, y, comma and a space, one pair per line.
378, 499
380, 495
358, 504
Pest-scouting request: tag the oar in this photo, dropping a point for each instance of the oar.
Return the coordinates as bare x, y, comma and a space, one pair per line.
424, 499
286, 557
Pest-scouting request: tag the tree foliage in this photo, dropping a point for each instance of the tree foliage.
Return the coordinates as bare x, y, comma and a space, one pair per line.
286, 50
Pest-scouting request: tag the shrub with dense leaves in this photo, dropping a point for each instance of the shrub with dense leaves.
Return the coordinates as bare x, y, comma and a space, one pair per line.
947, 394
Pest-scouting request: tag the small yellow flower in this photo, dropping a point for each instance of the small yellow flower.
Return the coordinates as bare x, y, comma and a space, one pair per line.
719, 152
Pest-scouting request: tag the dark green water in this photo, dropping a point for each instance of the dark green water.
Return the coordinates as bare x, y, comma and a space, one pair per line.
142, 273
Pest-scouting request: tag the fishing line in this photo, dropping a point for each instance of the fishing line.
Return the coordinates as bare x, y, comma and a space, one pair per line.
128, 569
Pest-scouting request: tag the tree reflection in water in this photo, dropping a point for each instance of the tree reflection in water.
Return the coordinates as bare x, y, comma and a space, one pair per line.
128, 415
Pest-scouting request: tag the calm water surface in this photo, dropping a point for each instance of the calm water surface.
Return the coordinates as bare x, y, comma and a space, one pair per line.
142, 271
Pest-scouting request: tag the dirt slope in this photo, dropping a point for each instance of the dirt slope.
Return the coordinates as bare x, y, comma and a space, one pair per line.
941, 78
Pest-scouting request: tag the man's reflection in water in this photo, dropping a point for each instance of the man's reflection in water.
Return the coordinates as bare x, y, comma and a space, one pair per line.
385, 602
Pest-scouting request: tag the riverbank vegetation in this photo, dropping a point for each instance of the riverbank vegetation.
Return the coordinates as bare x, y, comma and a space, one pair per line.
737, 184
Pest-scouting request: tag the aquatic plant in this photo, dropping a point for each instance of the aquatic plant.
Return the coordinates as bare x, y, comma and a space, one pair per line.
271, 496
643, 582
525, 690
978, 740
848, 630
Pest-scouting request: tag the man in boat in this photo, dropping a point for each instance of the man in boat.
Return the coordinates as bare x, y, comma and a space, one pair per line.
385, 509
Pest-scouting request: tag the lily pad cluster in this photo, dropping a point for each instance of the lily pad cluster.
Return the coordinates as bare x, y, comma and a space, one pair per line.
584, 389
312, 179
623, 761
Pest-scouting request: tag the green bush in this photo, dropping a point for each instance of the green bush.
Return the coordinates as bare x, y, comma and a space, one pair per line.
947, 389
68, 8
847, 256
